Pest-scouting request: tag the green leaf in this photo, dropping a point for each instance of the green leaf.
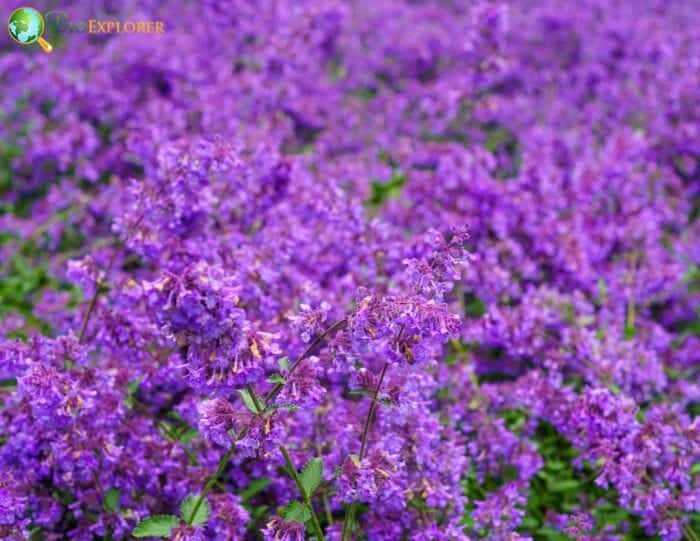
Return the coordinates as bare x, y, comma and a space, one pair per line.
156, 526
695, 468
8, 383
111, 499
187, 507
284, 364
277, 378
133, 386
381, 191
188, 435
255, 487
474, 306
630, 330
418, 503
312, 475
274, 407
296, 512
565, 485
248, 400
529, 522
362, 392
131, 389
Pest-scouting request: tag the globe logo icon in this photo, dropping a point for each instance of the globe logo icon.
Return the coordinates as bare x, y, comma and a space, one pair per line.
26, 26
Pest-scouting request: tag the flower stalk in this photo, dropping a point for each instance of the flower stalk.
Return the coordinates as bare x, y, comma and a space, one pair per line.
315, 524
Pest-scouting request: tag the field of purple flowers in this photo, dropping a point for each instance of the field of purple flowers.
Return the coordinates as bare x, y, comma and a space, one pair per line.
389, 270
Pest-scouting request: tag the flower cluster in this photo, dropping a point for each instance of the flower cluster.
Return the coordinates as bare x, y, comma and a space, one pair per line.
348, 270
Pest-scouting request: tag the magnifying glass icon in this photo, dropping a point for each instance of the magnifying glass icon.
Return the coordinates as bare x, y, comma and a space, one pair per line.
26, 26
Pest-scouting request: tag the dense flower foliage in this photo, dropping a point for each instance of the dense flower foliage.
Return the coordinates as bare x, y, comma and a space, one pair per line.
422, 270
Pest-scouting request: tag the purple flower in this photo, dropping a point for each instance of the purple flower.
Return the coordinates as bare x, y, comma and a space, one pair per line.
278, 529
220, 422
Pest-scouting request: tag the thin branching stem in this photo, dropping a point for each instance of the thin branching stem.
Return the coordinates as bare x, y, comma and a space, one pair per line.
260, 409
370, 414
350, 517
320, 338
211, 482
101, 285
315, 524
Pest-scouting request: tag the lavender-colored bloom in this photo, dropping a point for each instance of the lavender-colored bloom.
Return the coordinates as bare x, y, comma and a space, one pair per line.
220, 422
300, 183
278, 529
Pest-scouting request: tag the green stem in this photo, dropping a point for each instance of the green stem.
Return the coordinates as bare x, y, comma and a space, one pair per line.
324, 493
259, 408
347, 522
689, 533
274, 392
370, 414
326, 506
350, 517
100, 287
315, 524
211, 482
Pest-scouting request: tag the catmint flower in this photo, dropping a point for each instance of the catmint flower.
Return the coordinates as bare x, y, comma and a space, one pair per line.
372, 479
200, 310
309, 321
278, 529
229, 518
85, 273
187, 533
303, 386
220, 421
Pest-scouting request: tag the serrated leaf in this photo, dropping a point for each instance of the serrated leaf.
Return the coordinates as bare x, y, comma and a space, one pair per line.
296, 512
277, 378
156, 526
111, 499
187, 507
284, 364
311, 475
248, 400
